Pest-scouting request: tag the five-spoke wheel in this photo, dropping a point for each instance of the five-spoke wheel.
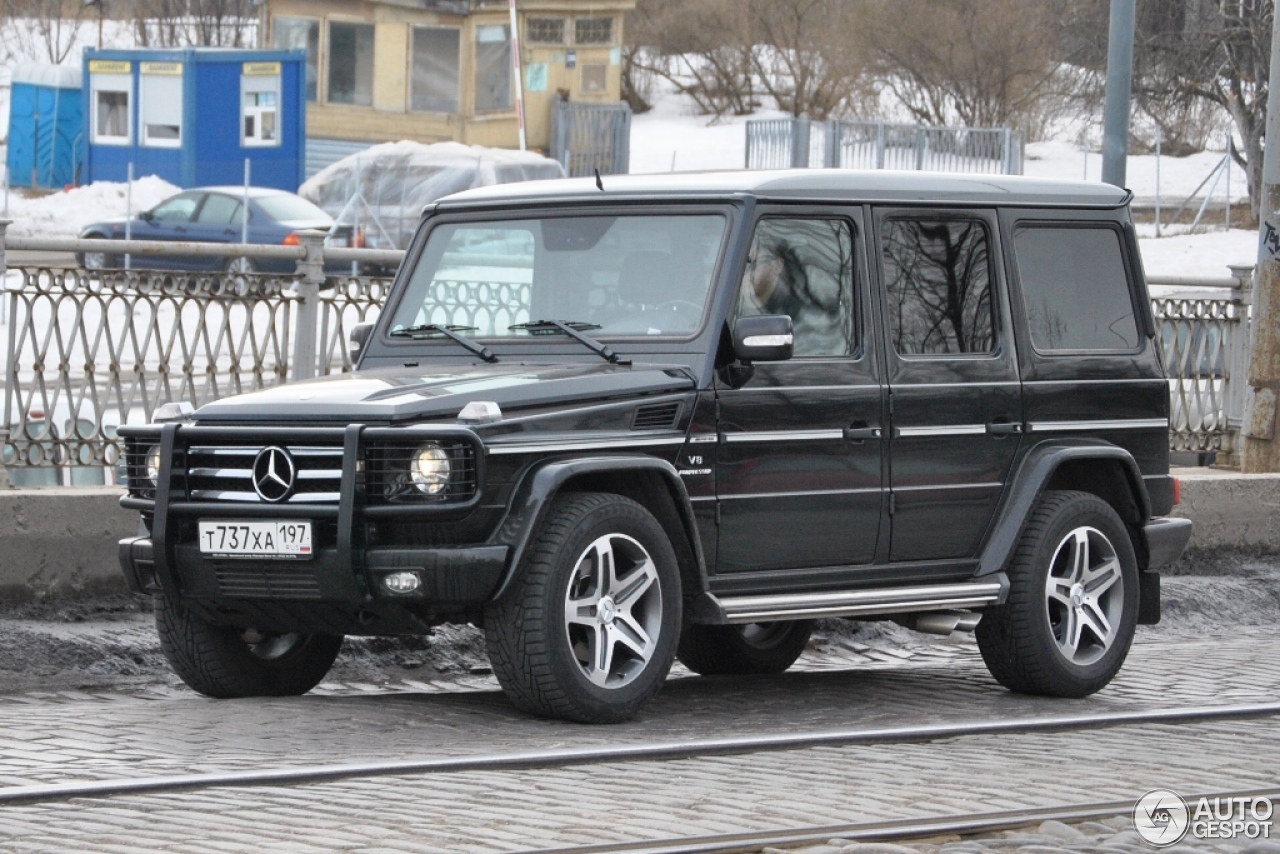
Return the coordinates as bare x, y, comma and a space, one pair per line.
1072, 608
587, 629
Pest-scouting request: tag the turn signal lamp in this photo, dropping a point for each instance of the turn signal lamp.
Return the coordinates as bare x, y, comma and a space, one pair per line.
402, 582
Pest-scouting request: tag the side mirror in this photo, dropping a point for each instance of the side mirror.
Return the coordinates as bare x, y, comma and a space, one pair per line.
359, 335
146, 216
765, 338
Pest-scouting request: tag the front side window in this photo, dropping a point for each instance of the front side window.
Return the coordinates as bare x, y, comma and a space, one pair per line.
350, 63
436, 61
300, 34
160, 108
178, 209
803, 268
938, 282
260, 110
493, 68
1075, 289
109, 105
631, 276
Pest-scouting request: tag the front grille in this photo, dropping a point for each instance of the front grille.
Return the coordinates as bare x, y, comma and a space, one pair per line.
268, 581
225, 473
387, 474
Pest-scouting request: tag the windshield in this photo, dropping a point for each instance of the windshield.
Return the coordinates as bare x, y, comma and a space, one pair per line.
610, 275
287, 207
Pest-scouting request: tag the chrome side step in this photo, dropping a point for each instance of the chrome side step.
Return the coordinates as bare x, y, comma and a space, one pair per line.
896, 600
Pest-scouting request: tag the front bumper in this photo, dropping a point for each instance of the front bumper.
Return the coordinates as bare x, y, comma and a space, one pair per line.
448, 577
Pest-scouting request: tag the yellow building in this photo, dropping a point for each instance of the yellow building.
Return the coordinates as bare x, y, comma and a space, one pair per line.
436, 70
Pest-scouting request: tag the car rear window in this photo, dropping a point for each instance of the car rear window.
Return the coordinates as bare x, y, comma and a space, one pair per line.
290, 208
1075, 289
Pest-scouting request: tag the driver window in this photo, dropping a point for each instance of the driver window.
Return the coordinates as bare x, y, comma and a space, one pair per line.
804, 268
178, 209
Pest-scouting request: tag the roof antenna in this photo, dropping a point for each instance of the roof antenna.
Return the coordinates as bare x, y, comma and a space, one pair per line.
599, 183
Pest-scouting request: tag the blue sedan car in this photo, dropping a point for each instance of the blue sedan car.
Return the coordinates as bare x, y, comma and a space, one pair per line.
216, 215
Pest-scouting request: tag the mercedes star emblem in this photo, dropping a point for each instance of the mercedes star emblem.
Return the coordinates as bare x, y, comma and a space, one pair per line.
273, 474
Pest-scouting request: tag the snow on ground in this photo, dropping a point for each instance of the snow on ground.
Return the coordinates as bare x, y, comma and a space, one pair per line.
65, 214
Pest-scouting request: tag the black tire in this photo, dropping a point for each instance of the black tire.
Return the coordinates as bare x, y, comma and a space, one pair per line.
546, 662
742, 650
218, 661
1068, 637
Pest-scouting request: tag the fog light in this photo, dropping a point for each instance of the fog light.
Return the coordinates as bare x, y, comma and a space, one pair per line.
402, 582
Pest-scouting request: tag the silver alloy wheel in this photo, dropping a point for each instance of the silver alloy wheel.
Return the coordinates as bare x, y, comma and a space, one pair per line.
765, 635
95, 260
270, 646
1084, 595
613, 610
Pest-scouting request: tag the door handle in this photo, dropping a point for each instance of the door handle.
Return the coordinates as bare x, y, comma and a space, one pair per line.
861, 434
1004, 428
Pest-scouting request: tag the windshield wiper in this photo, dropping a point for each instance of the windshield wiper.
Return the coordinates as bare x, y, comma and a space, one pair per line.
422, 330
571, 328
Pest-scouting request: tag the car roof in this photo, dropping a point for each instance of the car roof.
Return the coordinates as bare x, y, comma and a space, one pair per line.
233, 190
798, 185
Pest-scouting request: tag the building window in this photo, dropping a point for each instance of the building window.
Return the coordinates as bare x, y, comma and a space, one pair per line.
300, 34
160, 104
593, 31
434, 86
493, 68
260, 110
350, 64
595, 78
544, 30
109, 103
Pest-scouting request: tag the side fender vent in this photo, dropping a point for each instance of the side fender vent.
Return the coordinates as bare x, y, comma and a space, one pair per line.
655, 416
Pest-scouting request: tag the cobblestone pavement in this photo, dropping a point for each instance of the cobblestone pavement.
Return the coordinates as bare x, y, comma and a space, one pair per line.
68, 736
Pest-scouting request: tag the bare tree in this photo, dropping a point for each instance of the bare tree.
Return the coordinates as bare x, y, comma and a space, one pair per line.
1212, 52
42, 30
810, 57
179, 23
983, 63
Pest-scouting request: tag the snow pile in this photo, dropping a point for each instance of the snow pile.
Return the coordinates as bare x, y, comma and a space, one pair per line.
66, 214
384, 188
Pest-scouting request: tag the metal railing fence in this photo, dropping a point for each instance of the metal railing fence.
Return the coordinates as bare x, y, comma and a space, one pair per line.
587, 137
87, 350
801, 143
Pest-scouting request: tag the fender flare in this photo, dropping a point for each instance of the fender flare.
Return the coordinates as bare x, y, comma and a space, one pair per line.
1034, 471
537, 489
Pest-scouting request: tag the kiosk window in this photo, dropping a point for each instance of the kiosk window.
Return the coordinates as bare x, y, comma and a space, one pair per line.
109, 104
260, 110
161, 109
436, 53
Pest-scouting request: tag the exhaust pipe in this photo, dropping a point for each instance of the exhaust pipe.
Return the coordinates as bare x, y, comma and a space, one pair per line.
942, 622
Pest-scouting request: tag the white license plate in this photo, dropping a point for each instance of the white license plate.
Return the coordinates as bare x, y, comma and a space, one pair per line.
284, 539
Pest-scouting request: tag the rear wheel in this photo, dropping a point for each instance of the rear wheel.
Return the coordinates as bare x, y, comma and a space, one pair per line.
587, 631
239, 276
225, 662
1072, 609
752, 648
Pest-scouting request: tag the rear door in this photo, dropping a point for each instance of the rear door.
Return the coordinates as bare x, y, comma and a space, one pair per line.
800, 442
954, 395
219, 220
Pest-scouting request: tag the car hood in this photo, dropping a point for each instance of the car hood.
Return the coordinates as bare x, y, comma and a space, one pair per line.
401, 394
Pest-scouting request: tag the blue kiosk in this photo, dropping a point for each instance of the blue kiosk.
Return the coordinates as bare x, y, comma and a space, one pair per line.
46, 126
193, 116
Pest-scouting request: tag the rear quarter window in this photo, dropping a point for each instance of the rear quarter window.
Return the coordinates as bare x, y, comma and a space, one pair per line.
1075, 289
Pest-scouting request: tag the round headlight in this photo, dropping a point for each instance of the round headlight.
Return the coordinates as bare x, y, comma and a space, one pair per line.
153, 464
429, 469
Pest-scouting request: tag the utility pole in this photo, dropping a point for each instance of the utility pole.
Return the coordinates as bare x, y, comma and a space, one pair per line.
1261, 447
1115, 114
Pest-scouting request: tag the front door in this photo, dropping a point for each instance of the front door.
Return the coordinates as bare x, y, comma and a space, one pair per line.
800, 442
954, 397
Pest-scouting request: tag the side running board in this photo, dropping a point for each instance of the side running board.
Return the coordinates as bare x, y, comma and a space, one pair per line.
894, 600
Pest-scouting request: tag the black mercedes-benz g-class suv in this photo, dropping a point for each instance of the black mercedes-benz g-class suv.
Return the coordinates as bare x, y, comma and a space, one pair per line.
620, 422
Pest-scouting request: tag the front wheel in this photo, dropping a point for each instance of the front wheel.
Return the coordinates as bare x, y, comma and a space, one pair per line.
1072, 609
226, 662
750, 649
587, 631
98, 260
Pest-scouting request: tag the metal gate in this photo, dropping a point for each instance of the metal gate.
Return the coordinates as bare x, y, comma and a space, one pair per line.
587, 137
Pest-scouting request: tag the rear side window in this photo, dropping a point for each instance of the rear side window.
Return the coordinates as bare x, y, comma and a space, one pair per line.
939, 285
1075, 289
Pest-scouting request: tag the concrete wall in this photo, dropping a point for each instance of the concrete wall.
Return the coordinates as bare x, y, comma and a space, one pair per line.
63, 541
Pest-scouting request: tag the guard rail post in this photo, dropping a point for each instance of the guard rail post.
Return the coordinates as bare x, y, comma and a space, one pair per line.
307, 288
1237, 366
5, 299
